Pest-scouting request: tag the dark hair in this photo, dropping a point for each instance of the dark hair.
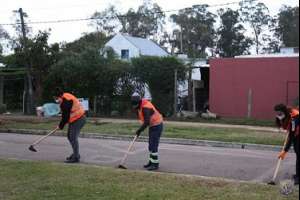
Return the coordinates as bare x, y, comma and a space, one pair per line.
135, 100
58, 92
281, 107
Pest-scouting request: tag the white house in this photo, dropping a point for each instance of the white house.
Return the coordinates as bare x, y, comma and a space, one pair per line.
128, 47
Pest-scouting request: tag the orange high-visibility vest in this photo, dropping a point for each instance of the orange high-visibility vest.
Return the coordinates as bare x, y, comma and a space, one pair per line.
155, 119
77, 110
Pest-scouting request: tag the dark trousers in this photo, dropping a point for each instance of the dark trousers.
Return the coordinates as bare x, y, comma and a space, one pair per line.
296, 149
154, 137
73, 134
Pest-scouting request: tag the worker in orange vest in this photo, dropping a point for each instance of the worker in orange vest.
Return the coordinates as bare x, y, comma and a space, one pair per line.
150, 117
72, 113
288, 119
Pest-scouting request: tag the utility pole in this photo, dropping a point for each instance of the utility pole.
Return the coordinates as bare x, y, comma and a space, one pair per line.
175, 92
1, 89
194, 96
181, 42
28, 82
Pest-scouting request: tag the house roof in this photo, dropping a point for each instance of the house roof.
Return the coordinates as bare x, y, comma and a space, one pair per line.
146, 47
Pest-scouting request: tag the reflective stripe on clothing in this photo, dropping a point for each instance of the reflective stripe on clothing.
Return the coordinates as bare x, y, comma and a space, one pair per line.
155, 119
154, 157
154, 137
77, 110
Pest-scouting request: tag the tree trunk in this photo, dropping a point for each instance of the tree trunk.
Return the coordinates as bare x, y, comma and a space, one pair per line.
38, 90
95, 105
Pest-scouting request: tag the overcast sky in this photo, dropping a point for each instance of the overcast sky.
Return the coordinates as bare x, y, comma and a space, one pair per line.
42, 10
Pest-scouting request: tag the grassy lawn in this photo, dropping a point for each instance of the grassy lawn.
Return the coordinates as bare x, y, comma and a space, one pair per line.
27, 180
170, 130
233, 121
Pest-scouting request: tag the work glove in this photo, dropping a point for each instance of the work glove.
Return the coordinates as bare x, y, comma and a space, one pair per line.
138, 133
60, 127
282, 155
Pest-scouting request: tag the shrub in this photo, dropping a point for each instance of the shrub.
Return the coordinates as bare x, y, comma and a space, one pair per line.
2, 108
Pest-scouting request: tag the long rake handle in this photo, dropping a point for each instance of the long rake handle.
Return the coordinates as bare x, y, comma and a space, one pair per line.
279, 160
277, 169
128, 150
43, 137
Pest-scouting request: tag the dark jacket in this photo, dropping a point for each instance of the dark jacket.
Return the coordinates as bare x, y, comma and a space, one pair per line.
293, 133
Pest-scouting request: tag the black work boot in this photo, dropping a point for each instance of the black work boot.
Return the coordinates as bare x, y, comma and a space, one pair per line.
70, 157
73, 159
296, 180
153, 167
148, 165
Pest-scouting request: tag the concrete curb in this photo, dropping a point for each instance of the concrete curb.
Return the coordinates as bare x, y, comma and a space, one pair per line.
178, 141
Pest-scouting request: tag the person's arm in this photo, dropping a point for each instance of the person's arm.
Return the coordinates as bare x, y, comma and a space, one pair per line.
147, 112
292, 133
289, 142
278, 123
65, 107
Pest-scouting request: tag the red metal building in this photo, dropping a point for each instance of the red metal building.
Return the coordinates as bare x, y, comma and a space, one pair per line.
251, 86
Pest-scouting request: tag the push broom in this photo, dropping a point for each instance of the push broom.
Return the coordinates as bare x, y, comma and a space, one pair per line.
31, 147
278, 162
121, 165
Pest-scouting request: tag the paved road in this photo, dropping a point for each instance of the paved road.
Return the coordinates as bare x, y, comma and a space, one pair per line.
238, 164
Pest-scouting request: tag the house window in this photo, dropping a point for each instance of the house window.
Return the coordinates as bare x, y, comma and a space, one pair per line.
125, 54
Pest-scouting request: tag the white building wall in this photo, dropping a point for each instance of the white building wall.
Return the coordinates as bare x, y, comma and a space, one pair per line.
118, 43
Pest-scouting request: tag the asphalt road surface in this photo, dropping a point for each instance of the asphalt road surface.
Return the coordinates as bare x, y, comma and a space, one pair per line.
237, 164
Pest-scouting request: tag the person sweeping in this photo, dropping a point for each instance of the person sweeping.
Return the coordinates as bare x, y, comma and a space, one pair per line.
288, 119
150, 117
73, 114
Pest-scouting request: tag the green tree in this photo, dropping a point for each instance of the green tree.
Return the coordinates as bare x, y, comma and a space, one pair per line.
158, 74
288, 26
256, 14
3, 36
40, 56
196, 28
94, 40
89, 74
147, 21
107, 21
232, 40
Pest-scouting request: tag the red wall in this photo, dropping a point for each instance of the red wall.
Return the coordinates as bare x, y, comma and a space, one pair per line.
231, 79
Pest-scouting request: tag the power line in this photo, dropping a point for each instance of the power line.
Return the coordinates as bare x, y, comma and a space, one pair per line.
60, 7
118, 16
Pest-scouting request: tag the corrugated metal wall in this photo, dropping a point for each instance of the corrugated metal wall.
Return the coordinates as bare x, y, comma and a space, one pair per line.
242, 87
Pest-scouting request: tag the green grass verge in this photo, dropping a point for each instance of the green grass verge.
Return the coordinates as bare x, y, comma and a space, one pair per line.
232, 121
170, 130
27, 180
